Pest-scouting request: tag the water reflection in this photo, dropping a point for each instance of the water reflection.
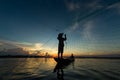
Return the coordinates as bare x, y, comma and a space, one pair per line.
34, 65
46, 59
16, 68
59, 69
42, 69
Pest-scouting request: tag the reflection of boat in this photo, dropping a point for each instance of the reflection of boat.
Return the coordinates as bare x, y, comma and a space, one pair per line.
59, 71
61, 64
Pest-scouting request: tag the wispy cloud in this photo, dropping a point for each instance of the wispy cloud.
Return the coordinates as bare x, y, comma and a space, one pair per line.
7, 44
73, 27
94, 4
115, 7
71, 5
74, 5
87, 30
13, 44
0, 43
89, 10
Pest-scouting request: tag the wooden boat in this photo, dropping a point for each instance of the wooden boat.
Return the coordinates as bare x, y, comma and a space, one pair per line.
64, 60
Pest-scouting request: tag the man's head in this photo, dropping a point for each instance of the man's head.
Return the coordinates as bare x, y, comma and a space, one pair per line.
60, 34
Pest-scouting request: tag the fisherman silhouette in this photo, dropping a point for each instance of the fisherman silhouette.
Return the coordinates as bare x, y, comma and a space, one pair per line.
61, 44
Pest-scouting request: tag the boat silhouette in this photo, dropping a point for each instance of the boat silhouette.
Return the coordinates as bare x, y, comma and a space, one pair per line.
64, 61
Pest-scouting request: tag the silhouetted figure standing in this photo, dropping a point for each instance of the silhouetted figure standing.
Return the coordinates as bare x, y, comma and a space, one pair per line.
61, 44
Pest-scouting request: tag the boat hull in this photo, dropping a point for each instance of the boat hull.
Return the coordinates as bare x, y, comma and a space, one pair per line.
64, 61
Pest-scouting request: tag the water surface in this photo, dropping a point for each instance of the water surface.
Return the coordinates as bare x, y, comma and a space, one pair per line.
43, 69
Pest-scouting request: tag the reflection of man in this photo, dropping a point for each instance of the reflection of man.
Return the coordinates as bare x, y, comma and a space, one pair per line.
61, 44
59, 69
60, 74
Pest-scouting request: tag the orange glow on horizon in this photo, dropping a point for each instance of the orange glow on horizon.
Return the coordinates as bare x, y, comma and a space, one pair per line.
54, 53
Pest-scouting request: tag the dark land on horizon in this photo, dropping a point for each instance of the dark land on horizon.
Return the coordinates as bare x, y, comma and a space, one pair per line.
21, 53
34, 56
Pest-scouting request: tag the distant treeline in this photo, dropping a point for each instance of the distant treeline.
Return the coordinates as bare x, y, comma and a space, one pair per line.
22, 56
36, 56
97, 57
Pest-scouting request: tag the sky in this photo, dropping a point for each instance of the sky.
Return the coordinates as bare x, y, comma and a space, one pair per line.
92, 26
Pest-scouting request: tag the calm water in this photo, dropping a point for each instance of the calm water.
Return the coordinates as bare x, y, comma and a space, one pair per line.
42, 69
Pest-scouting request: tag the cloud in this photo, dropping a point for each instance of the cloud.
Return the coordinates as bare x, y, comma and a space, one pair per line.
87, 30
7, 44
115, 7
85, 11
73, 28
88, 11
38, 46
71, 5
74, 5
13, 44
95, 4
1, 44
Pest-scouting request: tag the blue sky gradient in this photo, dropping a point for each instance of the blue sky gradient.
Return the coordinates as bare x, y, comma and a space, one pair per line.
92, 26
